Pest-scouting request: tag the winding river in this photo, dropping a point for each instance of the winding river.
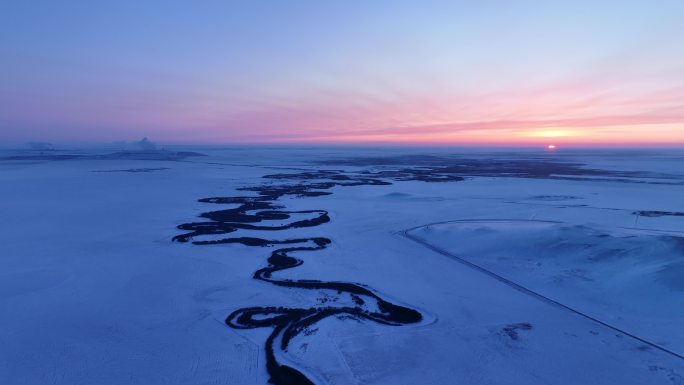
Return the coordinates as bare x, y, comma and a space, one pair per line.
354, 300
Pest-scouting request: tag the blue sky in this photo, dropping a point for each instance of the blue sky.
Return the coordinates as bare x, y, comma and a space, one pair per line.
352, 71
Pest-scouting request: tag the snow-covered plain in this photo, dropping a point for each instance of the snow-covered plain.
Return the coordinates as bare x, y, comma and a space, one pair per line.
94, 291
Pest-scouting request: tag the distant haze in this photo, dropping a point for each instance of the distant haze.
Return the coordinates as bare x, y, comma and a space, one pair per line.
409, 72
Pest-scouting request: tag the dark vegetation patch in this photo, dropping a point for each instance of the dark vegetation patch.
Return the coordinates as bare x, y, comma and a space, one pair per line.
528, 167
653, 213
442, 167
553, 198
135, 170
512, 330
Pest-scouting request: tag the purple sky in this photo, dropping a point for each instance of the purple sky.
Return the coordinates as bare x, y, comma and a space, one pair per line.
429, 72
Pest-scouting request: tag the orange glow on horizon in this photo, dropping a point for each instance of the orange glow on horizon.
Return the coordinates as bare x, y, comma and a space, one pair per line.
647, 134
554, 133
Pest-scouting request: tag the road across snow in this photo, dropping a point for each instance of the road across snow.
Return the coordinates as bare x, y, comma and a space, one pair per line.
455, 240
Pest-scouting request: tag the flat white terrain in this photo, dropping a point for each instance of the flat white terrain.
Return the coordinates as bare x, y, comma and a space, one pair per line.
558, 279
